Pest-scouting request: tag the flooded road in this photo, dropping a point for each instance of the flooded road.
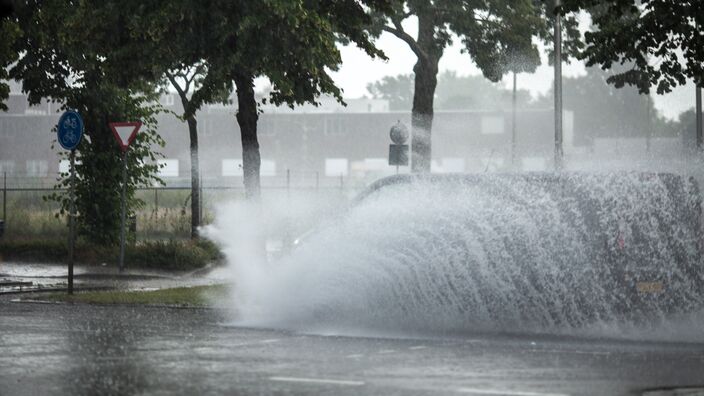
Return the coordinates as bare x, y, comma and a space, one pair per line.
83, 349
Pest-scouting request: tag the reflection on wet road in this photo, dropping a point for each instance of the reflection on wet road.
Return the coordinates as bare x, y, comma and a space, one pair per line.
81, 349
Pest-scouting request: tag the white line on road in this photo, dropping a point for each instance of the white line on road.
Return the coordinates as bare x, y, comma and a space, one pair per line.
417, 347
386, 351
477, 391
317, 381
355, 356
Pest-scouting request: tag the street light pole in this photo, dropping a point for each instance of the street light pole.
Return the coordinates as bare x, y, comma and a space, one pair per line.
558, 88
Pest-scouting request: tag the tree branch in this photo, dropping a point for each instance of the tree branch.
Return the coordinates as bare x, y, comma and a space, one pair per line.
397, 30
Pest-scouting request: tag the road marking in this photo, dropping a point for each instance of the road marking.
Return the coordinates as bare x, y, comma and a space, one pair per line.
386, 351
579, 352
477, 391
317, 381
417, 347
255, 343
355, 356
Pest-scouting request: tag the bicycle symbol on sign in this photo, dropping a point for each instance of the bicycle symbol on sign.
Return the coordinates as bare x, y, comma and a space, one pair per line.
71, 125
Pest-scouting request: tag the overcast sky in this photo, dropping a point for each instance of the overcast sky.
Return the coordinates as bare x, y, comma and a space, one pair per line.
358, 70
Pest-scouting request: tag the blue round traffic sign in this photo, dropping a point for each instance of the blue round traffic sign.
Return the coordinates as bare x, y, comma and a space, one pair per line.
70, 130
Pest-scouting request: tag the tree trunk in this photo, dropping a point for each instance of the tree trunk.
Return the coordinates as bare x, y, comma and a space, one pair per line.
195, 167
195, 177
426, 71
247, 119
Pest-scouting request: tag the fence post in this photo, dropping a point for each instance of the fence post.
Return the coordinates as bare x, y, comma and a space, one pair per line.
200, 196
156, 201
288, 183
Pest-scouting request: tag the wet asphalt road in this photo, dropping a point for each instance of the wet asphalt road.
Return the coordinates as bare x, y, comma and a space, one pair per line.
48, 349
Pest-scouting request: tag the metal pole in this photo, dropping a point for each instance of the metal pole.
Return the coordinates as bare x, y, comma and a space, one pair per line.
558, 89
200, 197
513, 124
698, 110
649, 135
71, 221
123, 210
4, 197
288, 183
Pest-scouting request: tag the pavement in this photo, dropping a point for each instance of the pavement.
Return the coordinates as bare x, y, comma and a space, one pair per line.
59, 349
28, 277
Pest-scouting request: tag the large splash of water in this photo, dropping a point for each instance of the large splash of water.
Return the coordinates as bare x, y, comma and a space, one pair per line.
481, 253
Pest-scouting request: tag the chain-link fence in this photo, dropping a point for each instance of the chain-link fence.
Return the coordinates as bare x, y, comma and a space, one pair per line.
165, 212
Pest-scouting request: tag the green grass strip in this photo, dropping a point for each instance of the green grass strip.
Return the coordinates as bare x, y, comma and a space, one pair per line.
197, 296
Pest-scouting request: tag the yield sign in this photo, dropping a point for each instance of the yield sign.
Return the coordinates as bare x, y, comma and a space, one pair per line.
125, 132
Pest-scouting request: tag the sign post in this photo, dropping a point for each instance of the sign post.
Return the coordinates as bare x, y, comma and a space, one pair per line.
124, 133
69, 134
398, 151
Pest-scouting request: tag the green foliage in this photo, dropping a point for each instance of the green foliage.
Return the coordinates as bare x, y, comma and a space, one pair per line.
650, 36
9, 32
79, 58
163, 255
498, 35
197, 296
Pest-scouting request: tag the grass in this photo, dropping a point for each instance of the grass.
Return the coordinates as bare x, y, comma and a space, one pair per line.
198, 296
164, 255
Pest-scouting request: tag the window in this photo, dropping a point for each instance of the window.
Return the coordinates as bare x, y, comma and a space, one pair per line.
232, 167
168, 167
37, 168
7, 166
453, 165
534, 164
64, 166
334, 126
268, 168
492, 125
376, 164
336, 167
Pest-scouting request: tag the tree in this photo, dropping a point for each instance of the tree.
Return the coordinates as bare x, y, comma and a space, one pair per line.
292, 43
453, 92
186, 80
66, 56
660, 40
493, 33
9, 32
397, 90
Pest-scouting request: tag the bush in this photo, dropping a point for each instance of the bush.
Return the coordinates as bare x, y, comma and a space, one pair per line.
165, 255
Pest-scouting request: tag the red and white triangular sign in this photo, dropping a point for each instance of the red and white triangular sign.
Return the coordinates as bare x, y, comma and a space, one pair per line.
125, 132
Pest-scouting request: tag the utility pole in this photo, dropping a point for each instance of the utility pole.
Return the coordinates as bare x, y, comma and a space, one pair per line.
559, 155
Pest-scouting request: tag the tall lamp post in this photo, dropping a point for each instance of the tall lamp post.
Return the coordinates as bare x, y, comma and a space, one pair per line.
559, 155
